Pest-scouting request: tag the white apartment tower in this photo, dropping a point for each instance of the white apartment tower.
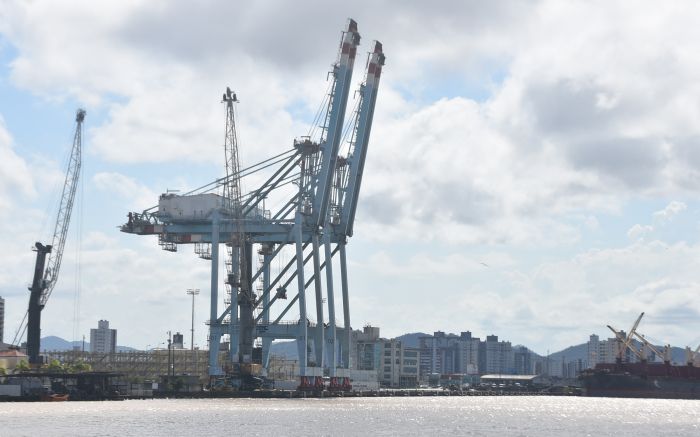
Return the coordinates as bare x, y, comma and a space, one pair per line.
103, 340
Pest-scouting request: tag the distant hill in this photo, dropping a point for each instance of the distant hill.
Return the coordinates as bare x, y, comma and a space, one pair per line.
53, 343
411, 339
287, 349
571, 353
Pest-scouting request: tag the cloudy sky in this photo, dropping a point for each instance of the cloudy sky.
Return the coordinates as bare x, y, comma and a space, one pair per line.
533, 172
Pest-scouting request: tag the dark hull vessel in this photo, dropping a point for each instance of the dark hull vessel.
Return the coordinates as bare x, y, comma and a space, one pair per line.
642, 380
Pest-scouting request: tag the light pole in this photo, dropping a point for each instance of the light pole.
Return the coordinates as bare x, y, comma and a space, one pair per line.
170, 366
193, 292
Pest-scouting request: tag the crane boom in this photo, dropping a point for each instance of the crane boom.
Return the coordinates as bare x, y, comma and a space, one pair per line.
46, 270
342, 74
65, 208
356, 159
625, 343
633, 331
648, 344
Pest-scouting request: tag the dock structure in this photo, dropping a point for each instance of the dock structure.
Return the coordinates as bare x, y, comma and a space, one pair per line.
317, 183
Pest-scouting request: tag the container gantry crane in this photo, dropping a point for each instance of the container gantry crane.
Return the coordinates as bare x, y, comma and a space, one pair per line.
319, 213
48, 256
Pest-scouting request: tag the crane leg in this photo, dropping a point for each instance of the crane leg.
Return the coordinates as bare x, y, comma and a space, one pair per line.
302, 334
330, 334
318, 338
234, 322
346, 307
214, 326
267, 342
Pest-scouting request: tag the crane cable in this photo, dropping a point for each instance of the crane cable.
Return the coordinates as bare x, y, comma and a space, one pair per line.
78, 258
53, 203
211, 186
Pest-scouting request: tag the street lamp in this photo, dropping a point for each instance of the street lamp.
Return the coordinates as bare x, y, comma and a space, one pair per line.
171, 364
193, 292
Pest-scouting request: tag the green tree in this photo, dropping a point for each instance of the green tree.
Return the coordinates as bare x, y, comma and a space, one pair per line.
80, 366
22, 366
55, 366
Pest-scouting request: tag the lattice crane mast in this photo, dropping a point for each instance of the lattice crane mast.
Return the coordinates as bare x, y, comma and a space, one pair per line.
238, 249
48, 257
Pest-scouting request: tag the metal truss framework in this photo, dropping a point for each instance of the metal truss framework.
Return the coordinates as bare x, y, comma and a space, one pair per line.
314, 224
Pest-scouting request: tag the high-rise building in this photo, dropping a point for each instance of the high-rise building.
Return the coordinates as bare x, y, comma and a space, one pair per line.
449, 354
367, 347
103, 340
594, 350
395, 364
607, 351
178, 341
496, 356
468, 353
2, 319
399, 364
523, 361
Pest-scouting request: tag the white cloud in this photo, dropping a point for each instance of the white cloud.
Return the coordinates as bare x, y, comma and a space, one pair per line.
136, 196
638, 232
556, 137
15, 177
666, 215
515, 127
548, 304
660, 218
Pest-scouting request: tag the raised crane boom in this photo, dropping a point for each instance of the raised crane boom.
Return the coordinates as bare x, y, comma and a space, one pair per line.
46, 270
65, 208
624, 344
342, 74
356, 159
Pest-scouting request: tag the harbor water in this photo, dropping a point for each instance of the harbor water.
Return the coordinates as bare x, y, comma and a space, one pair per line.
434, 416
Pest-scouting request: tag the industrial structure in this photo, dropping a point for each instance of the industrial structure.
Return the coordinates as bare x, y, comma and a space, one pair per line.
294, 242
48, 256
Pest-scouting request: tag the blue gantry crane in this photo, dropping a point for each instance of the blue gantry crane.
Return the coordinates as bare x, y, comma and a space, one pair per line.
312, 224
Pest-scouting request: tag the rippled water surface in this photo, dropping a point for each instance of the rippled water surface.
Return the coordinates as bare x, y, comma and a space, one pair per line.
438, 416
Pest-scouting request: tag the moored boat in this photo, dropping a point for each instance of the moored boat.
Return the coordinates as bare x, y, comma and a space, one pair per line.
645, 378
55, 397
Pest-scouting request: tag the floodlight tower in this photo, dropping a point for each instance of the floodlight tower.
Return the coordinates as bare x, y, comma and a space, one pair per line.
193, 292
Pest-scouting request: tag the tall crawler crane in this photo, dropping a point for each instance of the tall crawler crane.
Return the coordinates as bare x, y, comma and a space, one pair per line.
48, 257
